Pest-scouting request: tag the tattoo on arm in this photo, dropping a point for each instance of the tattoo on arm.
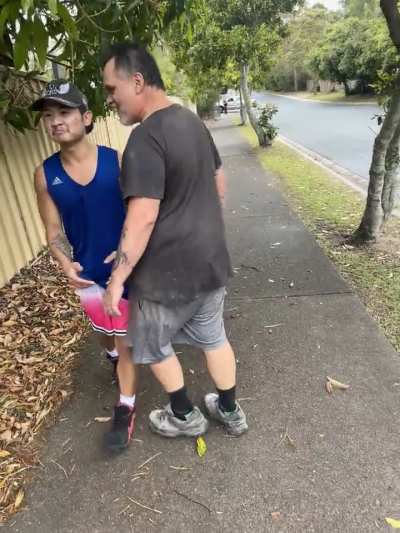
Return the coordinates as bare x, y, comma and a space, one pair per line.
122, 257
60, 242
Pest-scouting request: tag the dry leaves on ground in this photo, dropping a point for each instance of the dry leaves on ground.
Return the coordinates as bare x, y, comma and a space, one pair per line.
41, 325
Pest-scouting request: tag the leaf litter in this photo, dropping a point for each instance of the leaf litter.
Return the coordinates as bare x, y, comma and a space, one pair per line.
41, 326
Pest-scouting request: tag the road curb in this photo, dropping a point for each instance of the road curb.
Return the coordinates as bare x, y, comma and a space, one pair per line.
354, 181
300, 99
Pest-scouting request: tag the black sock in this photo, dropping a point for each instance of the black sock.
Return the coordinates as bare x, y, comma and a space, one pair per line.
227, 400
180, 403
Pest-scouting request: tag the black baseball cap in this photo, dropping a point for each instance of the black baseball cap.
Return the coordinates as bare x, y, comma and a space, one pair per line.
62, 92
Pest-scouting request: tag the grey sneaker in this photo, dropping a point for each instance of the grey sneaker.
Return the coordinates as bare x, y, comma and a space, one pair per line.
234, 422
165, 423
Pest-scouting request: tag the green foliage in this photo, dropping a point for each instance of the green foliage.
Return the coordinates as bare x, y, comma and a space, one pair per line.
291, 58
361, 8
340, 46
225, 35
206, 101
265, 122
175, 80
72, 35
355, 49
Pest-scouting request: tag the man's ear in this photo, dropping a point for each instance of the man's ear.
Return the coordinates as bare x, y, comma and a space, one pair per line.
138, 82
87, 118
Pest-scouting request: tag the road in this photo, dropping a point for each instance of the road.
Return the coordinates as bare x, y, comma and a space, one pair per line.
343, 133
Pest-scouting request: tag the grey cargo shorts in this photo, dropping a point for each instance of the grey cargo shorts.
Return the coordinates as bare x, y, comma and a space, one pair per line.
153, 327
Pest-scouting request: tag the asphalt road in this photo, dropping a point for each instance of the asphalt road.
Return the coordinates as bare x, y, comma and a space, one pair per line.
343, 133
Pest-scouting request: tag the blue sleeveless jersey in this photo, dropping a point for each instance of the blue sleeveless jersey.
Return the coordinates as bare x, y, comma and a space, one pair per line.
92, 214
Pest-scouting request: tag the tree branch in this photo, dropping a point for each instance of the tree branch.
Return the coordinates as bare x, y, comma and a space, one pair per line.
94, 14
92, 21
392, 16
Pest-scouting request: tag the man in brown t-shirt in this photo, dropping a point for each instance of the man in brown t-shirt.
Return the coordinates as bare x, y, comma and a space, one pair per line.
173, 247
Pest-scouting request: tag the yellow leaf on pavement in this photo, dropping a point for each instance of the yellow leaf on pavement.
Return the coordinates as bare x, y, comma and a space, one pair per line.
393, 522
201, 446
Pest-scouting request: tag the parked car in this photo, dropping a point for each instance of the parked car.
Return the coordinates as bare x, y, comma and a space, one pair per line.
229, 103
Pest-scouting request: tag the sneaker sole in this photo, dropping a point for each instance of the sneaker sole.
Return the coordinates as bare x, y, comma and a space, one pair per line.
116, 448
193, 433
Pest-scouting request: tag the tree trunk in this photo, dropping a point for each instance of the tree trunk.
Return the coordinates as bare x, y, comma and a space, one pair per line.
295, 79
391, 184
244, 88
243, 114
346, 88
371, 222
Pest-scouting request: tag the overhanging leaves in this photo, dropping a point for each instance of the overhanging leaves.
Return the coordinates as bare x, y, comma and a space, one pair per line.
34, 33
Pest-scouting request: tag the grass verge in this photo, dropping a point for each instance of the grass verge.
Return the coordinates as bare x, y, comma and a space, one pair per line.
332, 211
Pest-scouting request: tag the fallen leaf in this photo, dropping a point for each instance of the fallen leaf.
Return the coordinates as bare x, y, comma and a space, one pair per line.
275, 515
102, 418
393, 522
4, 453
10, 323
6, 435
332, 384
29, 360
201, 446
19, 498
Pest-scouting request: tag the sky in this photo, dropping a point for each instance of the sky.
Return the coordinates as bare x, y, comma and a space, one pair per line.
331, 4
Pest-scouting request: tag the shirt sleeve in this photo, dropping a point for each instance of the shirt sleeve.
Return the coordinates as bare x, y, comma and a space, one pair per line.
216, 156
143, 167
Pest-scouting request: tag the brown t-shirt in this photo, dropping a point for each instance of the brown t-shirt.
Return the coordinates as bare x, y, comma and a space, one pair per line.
171, 157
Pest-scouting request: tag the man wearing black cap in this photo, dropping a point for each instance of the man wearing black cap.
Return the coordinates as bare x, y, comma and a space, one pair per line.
81, 207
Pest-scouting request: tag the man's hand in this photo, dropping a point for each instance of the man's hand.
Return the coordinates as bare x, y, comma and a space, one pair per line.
112, 297
72, 273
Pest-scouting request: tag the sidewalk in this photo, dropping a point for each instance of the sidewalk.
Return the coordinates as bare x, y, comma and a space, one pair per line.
292, 321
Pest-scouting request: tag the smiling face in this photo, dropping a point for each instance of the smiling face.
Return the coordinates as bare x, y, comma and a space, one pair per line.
125, 93
65, 125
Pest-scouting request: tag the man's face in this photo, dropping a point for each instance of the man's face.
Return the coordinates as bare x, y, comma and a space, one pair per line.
124, 93
65, 124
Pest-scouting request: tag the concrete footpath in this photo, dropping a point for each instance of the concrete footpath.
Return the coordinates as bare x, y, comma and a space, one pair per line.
310, 462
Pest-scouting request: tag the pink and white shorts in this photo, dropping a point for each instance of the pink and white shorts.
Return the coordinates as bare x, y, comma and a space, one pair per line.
92, 304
